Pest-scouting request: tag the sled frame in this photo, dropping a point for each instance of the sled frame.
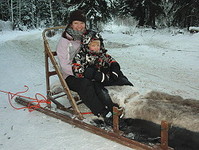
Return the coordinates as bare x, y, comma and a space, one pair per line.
115, 135
49, 55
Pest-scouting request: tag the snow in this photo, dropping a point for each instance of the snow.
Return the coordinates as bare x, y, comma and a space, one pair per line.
194, 29
5, 25
162, 60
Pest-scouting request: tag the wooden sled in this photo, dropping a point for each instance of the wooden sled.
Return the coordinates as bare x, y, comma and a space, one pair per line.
50, 57
115, 135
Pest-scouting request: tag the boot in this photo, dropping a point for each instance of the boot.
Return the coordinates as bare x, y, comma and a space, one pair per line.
108, 119
106, 99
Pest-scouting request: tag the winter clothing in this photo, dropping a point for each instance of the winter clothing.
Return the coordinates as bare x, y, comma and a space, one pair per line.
87, 90
99, 66
115, 70
88, 94
96, 66
92, 93
76, 35
77, 15
67, 48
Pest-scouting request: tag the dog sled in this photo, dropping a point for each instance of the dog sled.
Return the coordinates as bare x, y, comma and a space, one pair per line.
74, 115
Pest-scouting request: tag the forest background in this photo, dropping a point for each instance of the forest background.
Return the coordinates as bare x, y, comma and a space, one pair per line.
31, 14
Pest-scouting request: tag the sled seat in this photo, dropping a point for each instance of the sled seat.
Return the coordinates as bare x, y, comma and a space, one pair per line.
50, 59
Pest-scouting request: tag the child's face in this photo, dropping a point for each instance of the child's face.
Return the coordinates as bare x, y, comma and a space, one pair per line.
94, 46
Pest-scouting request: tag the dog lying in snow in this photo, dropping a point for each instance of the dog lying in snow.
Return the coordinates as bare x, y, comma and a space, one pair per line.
152, 106
144, 111
157, 106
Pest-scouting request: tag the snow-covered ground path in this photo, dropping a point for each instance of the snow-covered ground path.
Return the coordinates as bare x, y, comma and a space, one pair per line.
152, 60
159, 60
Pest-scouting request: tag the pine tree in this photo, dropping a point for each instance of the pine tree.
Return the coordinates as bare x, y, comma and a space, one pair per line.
45, 13
4, 10
187, 14
97, 12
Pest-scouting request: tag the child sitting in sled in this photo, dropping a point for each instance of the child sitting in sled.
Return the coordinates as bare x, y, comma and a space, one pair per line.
93, 62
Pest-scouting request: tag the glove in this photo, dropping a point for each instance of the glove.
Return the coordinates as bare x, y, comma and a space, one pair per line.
114, 75
89, 73
115, 70
101, 77
105, 68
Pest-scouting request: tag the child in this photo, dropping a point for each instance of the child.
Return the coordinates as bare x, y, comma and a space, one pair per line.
92, 62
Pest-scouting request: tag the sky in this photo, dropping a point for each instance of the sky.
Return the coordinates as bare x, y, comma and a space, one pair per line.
164, 60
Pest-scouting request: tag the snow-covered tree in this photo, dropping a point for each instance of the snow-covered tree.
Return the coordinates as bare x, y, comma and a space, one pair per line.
188, 13
46, 13
97, 12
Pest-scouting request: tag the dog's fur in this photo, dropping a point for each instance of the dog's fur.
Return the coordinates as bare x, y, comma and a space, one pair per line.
157, 106
144, 113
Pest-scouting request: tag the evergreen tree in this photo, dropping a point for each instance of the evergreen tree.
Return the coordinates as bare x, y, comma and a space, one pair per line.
187, 14
28, 10
97, 11
46, 13
145, 11
169, 10
42, 13
4, 10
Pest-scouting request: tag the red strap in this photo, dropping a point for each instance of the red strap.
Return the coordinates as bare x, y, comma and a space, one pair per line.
86, 113
34, 100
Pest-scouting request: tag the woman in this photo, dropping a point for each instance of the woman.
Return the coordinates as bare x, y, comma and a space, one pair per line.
93, 94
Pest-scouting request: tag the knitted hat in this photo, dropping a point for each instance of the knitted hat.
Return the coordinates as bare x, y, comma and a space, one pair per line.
77, 15
89, 36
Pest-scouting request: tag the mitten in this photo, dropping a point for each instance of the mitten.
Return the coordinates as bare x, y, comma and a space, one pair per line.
101, 77
105, 68
114, 75
115, 70
89, 73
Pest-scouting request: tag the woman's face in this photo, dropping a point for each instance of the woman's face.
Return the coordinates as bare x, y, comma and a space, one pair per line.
78, 26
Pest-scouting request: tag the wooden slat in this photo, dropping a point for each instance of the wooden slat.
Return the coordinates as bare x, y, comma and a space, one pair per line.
50, 54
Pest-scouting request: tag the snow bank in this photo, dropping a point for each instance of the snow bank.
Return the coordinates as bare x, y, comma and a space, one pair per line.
194, 29
6, 25
161, 61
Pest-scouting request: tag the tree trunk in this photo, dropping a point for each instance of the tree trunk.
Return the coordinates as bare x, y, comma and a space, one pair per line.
51, 13
141, 15
32, 14
152, 16
19, 9
11, 10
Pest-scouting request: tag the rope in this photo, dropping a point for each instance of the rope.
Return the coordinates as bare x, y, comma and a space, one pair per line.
34, 100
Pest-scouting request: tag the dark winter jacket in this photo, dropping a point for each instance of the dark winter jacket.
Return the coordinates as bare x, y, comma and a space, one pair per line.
86, 62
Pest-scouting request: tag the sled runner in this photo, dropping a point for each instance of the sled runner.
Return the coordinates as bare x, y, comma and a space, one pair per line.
114, 135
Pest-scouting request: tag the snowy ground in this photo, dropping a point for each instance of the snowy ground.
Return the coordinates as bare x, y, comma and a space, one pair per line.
162, 60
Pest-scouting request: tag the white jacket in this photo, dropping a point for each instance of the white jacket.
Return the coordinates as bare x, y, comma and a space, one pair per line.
66, 50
